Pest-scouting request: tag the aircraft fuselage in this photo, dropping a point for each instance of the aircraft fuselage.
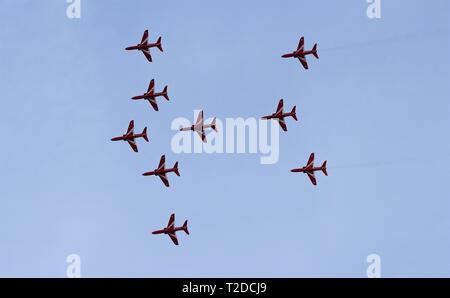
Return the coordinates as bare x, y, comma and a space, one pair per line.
307, 170
198, 128
278, 116
148, 95
141, 47
297, 54
167, 231
158, 172
128, 137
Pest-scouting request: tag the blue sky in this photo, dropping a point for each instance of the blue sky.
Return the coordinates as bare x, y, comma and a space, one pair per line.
375, 105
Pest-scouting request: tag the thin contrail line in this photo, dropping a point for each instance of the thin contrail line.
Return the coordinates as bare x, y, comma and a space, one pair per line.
411, 36
387, 163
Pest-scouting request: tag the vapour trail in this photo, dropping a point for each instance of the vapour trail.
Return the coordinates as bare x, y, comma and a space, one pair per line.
405, 37
396, 162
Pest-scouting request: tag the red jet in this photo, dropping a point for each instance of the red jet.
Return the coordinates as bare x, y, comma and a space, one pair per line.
130, 136
301, 54
310, 169
199, 126
144, 46
151, 95
171, 229
279, 115
161, 171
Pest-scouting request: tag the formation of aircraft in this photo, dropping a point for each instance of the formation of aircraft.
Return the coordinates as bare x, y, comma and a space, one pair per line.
131, 137
161, 171
144, 46
309, 169
151, 95
301, 54
199, 126
279, 115
171, 229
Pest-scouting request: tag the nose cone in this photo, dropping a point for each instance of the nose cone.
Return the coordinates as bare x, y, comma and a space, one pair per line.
135, 97
285, 56
128, 48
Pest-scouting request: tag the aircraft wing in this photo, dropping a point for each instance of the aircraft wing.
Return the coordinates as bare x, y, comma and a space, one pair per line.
310, 163
173, 236
152, 101
151, 85
199, 119
282, 123
202, 135
312, 177
303, 61
164, 179
133, 145
130, 127
280, 107
171, 221
147, 55
162, 163
301, 44
144, 39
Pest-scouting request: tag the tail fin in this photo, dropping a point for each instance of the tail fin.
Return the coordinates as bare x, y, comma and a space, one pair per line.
166, 96
213, 124
324, 168
175, 169
314, 51
159, 45
185, 227
294, 113
144, 134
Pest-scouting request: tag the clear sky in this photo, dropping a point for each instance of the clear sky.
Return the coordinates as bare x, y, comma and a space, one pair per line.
376, 105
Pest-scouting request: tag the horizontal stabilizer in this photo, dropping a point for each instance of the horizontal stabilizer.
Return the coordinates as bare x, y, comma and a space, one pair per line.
324, 168
159, 45
294, 113
314, 51
213, 124
144, 134
165, 94
185, 227
175, 169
